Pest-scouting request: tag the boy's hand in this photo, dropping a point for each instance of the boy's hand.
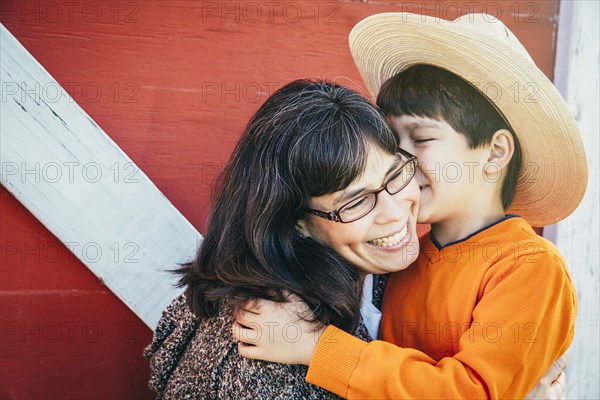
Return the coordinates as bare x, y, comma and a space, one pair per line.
553, 384
277, 332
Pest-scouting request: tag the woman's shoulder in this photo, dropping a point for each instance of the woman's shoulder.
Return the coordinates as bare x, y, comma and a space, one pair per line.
213, 368
172, 335
193, 358
176, 320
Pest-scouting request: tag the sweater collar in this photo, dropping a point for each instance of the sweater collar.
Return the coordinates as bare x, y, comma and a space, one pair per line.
491, 227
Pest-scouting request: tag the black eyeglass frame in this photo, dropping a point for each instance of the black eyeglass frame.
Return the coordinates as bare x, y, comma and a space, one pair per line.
335, 215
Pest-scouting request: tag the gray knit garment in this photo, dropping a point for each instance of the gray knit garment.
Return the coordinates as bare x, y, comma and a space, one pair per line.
193, 359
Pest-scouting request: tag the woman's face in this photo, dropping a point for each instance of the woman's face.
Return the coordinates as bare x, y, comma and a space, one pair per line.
385, 240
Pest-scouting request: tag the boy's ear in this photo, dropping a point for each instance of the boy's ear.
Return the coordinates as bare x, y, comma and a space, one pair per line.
502, 148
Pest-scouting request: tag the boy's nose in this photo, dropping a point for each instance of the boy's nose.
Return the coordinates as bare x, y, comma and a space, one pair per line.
420, 177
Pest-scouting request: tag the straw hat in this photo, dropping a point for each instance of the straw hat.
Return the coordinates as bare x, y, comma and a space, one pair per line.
480, 49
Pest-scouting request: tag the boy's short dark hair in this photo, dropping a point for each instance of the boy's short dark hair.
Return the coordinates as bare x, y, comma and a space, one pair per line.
432, 92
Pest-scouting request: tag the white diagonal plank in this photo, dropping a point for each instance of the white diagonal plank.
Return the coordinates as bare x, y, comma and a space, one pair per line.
73, 178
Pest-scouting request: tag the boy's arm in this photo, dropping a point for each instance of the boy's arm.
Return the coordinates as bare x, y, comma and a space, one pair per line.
551, 387
521, 325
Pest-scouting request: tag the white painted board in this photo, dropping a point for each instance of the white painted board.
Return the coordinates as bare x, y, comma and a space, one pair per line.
74, 179
577, 77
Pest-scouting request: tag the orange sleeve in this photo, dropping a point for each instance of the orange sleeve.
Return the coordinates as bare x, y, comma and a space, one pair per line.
522, 323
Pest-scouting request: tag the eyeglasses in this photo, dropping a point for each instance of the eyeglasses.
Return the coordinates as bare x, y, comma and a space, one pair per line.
361, 206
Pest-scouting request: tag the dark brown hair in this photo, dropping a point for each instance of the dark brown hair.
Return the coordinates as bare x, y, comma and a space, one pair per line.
309, 138
432, 92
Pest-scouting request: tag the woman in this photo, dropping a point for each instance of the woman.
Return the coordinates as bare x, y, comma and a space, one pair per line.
311, 148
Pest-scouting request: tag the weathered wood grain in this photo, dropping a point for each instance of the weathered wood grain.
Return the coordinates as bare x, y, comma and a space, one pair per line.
68, 173
577, 78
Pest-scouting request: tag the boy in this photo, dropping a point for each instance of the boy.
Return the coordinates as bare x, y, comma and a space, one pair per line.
489, 305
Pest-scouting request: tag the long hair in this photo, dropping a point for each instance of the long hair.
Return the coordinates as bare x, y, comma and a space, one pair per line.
310, 138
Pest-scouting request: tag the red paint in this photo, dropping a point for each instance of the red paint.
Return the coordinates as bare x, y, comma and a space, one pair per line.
178, 81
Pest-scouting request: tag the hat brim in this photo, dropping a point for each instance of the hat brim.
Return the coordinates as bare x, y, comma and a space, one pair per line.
553, 176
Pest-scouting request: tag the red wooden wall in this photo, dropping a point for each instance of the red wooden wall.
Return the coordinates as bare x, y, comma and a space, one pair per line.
173, 83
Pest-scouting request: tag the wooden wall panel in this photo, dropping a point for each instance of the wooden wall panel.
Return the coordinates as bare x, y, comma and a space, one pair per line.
63, 334
173, 83
578, 55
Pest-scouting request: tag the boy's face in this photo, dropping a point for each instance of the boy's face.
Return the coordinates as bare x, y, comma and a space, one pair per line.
450, 173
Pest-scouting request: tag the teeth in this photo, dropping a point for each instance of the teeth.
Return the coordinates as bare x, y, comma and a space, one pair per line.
391, 241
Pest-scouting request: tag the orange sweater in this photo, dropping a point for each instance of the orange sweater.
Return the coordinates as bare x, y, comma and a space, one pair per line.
481, 318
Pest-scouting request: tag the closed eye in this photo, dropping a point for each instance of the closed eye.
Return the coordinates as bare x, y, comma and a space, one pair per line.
422, 140
356, 203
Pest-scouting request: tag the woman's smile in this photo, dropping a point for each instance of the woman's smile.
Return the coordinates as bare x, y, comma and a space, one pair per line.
391, 241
